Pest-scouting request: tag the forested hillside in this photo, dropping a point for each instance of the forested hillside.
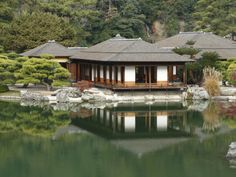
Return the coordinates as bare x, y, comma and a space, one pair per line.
27, 23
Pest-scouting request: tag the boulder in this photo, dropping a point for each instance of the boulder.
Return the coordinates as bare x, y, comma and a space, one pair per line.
231, 154
232, 145
228, 91
52, 99
75, 100
196, 93
94, 94
67, 94
32, 96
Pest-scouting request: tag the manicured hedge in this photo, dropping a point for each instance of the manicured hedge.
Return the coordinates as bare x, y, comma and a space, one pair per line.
3, 88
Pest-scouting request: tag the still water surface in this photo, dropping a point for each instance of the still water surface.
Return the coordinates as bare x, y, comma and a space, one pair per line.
124, 140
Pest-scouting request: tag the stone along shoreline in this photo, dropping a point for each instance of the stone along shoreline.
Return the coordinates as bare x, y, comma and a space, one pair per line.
74, 95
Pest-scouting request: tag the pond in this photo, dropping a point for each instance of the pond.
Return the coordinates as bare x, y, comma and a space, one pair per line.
116, 140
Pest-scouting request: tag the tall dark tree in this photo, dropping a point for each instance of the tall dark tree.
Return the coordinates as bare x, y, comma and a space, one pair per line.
31, 30
215, 16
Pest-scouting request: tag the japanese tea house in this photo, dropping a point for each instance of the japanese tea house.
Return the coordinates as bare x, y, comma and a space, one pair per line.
130, 64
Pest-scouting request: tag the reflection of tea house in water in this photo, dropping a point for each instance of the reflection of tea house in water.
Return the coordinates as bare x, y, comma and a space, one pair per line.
125, 121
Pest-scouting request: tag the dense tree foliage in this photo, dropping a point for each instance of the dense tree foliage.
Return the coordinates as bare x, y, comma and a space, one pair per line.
15, 69
42, 71
7, 69
223, 66
31, 30
195, 69
187, 51
231, 71
87, 22
215, 16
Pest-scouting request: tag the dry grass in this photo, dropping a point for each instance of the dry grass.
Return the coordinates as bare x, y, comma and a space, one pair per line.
212, 87
211, 82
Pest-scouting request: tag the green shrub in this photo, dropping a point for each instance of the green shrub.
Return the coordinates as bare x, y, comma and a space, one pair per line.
209, 59
12, 55
194, 70
1, 49
3, 56
190, 42
231, 73
22, 59
222, 66
47, 56
186, 51
58, 83
3, 88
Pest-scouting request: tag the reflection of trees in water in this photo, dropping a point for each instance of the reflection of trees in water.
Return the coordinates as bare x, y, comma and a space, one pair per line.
211, 118
228, 113
30, 120
43, 120
228, 109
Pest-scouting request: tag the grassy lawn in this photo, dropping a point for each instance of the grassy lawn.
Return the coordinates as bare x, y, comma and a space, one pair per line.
10, 93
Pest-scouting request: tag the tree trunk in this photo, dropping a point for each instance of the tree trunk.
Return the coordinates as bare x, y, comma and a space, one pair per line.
25, 85
49, 87
192, 76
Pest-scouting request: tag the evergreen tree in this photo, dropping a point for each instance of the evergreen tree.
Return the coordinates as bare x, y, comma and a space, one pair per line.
98, 20
7, 69
31, 30
81, 14
215, 16
43, 71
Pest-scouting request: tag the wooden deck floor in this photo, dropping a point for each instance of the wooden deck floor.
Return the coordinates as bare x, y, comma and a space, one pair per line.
120, 87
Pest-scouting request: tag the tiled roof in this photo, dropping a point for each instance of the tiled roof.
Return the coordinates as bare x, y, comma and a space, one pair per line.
204, 41
52, 48
119, 49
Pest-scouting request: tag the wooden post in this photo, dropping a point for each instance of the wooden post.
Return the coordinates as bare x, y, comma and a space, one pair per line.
90, 72
122, 75
94, 73
78, 72
146, 74
184, 75
150, 75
